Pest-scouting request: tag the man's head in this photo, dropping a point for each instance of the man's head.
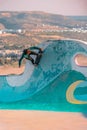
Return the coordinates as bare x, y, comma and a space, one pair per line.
25, 51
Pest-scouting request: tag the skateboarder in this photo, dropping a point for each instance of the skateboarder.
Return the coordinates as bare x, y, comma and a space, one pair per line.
27, 54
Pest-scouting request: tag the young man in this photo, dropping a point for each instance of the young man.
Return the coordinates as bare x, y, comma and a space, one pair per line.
27, 54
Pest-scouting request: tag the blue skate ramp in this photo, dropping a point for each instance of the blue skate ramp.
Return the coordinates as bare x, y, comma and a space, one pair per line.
57, 83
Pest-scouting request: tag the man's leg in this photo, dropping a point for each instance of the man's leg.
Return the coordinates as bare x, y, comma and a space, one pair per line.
31, 59
33, 62
38, 57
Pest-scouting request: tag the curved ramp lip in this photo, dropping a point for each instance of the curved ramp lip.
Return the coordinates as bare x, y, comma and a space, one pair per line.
77, 40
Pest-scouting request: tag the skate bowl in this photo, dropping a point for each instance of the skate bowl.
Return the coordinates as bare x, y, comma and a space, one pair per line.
57, 83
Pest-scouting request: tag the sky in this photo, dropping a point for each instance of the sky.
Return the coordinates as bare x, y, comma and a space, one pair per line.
63, 7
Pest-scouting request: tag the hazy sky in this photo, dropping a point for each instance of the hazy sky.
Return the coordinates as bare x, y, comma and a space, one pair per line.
64, 7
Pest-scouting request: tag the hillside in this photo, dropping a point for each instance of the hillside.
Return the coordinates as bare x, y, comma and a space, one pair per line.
79, 18
31, 19
37, 27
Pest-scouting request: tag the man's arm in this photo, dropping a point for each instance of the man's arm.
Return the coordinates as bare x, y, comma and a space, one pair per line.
34, 47
20, 60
